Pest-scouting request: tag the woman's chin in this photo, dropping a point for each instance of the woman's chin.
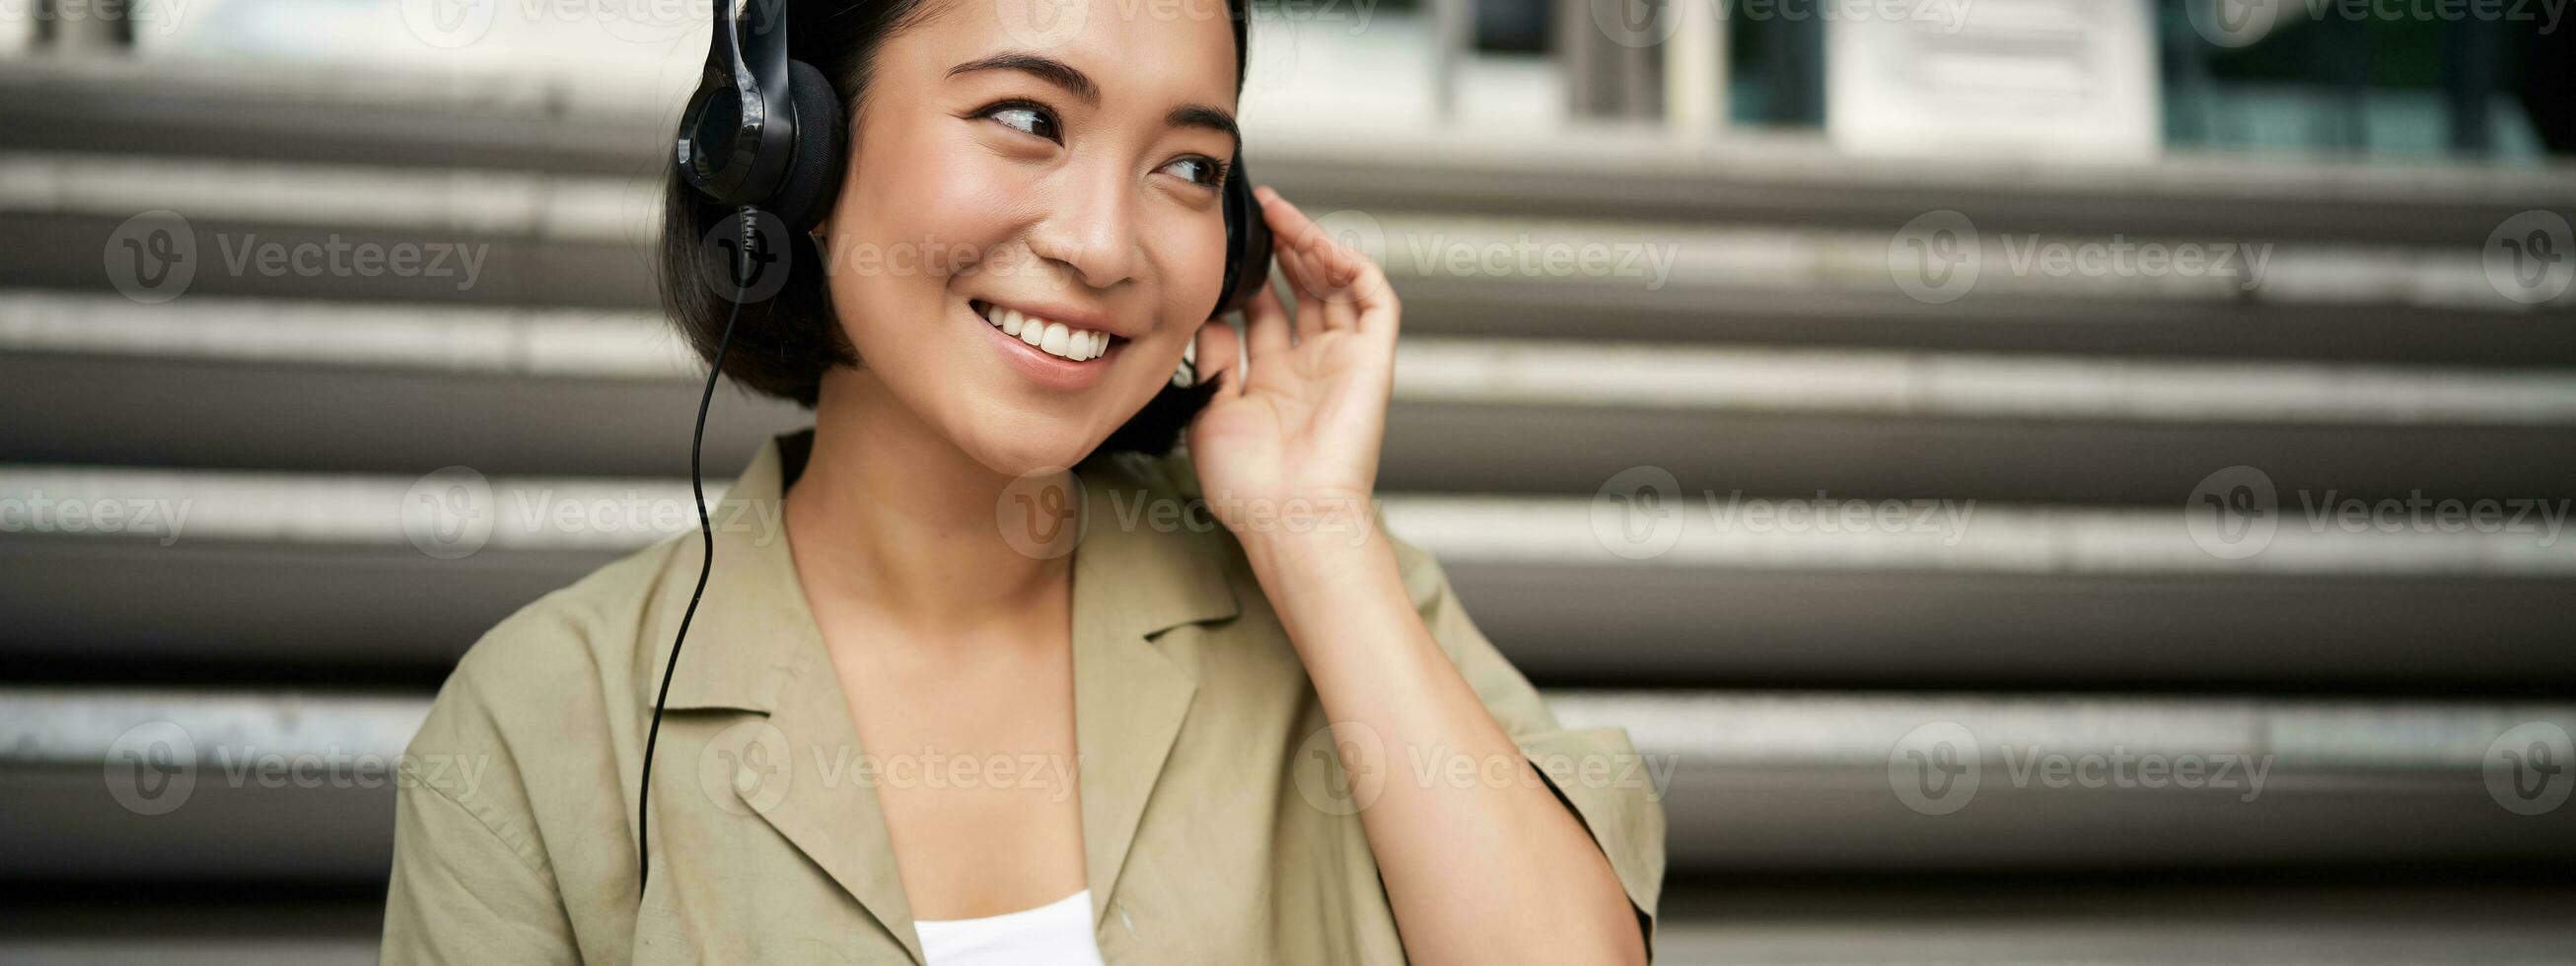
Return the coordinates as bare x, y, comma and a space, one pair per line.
1028, 451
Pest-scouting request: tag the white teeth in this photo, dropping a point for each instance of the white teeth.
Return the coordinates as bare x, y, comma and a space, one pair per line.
1054, 338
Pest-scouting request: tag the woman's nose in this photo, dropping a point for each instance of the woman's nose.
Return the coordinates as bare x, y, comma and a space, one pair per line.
1091, 229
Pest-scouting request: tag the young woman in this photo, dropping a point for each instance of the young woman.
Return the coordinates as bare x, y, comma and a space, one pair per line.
946, 701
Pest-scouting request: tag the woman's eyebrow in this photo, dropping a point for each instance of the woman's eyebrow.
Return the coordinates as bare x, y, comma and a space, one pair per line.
1044, 68
1208, 117
1079, 84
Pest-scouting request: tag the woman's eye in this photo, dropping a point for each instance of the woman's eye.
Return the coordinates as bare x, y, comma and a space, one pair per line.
1198, 171
1027, 119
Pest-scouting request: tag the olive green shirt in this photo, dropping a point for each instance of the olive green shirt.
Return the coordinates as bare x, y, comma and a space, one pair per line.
1217, 823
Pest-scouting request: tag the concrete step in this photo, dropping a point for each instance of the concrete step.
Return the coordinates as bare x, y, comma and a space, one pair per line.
525, 239
1915, 920
288, 786
307, 385
389, 117
281, 571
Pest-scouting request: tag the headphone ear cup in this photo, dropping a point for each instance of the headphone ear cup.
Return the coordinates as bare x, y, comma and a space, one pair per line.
813, 176
1247, 242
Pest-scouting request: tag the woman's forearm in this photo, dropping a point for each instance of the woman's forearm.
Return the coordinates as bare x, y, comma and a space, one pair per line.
1482, 862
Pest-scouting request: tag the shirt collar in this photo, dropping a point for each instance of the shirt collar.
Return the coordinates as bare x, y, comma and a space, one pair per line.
1136, 575
1150, 573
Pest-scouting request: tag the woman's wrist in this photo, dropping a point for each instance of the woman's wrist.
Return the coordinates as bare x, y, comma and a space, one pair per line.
1310, 577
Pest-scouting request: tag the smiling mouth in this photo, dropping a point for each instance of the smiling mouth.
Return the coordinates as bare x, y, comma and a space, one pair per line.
1053, 338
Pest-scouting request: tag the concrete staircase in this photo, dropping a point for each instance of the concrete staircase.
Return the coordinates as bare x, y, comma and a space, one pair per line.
1643, 484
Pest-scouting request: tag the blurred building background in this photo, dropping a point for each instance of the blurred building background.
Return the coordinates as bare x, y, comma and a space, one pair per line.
2053, 480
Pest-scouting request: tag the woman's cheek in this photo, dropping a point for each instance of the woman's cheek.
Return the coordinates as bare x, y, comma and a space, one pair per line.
971, 198
1197, 273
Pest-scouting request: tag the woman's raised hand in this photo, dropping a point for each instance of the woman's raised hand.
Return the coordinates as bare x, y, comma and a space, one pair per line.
1288, 448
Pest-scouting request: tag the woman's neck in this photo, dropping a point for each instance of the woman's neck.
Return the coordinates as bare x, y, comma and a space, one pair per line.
891, 516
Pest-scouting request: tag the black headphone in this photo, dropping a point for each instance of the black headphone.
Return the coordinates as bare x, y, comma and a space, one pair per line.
764, 132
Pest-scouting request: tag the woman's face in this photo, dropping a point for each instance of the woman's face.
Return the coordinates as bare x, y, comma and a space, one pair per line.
1003, 172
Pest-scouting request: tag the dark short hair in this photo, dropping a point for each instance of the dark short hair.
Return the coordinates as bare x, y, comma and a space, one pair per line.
784, 342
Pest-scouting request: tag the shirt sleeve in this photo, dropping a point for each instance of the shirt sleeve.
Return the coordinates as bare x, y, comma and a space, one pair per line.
1596, 771
469, 885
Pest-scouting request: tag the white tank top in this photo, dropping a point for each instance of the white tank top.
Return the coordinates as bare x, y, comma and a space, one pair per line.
1055, 934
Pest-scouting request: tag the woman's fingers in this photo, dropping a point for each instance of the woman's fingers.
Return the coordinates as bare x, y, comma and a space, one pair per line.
1297, 237
1346, 284
1339, 267
1267, 323
1310, 305
1219, 352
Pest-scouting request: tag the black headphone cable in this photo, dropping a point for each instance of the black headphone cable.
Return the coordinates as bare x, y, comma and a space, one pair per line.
707, 542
